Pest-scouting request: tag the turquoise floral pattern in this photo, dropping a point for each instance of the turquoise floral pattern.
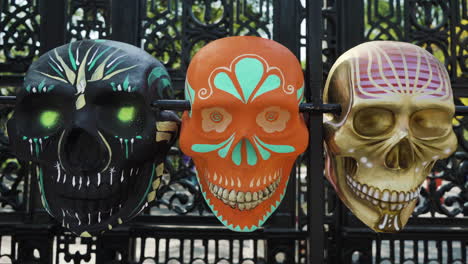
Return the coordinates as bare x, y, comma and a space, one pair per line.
254, 78
249, 72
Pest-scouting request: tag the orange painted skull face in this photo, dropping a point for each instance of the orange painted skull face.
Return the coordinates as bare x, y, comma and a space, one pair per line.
244, 130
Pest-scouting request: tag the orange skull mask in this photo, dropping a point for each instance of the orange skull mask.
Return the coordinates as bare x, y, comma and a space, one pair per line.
244, 130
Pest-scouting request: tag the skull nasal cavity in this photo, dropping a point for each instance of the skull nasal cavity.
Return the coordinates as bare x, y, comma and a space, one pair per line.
83, 152
400, 156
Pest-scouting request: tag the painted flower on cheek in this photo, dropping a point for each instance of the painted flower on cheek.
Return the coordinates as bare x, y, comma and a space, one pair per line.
215, 118
273, 119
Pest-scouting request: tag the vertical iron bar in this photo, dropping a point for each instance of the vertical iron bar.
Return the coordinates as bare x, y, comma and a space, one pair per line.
454, 21
286, 28
181, 250
449, 251
287, 32
402, 250
126, 21
167, 249
156, 255
315, 179
350, 16
191, 243
391, 245
463, 250
52, 28
206, 244
426, 251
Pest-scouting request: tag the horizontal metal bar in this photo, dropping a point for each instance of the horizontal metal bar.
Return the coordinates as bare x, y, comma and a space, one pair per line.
175, 105
418, 232
171, 231
7, 100
184, 105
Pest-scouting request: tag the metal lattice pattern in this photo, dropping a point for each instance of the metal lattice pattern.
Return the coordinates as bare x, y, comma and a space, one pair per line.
439, 26
88, 20
174, 30
19, 38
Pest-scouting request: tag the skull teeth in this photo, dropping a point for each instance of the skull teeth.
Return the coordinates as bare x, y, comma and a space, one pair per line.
82, 182
243, 200
72, 218
386, 199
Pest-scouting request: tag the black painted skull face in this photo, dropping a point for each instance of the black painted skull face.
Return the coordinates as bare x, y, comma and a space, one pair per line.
84, 118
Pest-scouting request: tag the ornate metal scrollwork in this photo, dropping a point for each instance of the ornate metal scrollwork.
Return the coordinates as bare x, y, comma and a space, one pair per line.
88, 20
180, 192
19, 44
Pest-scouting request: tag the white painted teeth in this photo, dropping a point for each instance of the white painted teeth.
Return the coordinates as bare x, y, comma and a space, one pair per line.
57, 166
78, 218
244, 200
386, 199
390, 222
87, 218
80, 182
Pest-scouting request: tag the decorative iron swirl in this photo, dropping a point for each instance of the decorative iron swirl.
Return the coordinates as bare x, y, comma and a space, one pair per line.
180, 192
19, 21
88, 20
446, 191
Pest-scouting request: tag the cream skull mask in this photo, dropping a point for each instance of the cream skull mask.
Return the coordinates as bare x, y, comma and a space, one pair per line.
244, 130
395, 124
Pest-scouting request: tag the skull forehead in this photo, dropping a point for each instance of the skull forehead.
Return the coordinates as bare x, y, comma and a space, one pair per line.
248, 62
94, 66
383, 69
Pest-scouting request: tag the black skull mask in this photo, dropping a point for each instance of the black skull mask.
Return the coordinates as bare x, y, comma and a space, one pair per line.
84, 118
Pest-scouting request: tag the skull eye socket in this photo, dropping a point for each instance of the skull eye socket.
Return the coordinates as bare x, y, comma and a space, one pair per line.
373, 121
273, 119
430, 123
126, 114
121, 114
49, 118
215, 118
42, 115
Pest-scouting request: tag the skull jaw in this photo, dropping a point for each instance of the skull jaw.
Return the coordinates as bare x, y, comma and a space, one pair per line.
381, 217
242, 219
88, 217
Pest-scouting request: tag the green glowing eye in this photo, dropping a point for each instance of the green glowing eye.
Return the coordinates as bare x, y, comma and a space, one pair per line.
126, 114
49, 118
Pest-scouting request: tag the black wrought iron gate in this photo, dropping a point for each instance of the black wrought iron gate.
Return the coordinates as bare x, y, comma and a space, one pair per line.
311, 225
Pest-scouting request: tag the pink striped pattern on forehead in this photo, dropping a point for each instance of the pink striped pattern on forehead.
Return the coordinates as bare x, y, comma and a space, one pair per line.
382, 70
